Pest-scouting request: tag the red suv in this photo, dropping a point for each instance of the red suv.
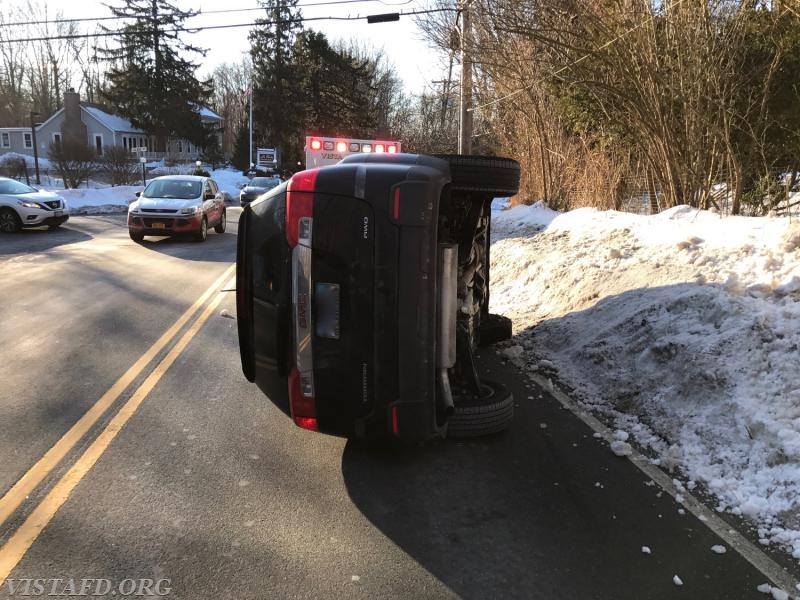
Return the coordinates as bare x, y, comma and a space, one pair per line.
176, 204
363, 290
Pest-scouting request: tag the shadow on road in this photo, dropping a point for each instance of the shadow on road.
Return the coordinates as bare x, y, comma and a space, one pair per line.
216, 248
541, 511
39, 240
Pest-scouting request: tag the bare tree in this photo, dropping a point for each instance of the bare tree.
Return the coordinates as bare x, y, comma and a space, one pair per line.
74, 161
230, 101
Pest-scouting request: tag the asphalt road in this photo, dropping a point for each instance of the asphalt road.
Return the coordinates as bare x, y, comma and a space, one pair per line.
209, 485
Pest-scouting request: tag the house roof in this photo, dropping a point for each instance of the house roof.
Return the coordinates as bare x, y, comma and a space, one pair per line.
209, 114
120, 124
113, 122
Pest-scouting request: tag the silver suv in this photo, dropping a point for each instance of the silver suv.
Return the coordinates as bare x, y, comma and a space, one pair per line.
24, 206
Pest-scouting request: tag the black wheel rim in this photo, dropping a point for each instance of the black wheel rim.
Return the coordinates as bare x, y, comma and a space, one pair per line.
7, 222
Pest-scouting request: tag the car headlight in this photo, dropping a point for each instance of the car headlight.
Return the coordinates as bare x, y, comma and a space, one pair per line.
133, 207
192, 210
29, 204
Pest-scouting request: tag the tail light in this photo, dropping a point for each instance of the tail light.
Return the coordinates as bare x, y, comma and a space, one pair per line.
341, 146
299, 225
301, 400
380, 148
392, 149
316, 144
300, 207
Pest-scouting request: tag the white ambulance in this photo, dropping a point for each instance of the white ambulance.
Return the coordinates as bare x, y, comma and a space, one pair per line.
322, 151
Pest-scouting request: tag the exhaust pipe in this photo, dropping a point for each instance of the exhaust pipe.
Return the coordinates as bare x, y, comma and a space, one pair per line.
446, 323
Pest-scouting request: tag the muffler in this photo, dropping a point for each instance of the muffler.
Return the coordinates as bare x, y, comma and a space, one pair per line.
446, 323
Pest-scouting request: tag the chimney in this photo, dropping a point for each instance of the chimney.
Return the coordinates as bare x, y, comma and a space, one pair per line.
73, 128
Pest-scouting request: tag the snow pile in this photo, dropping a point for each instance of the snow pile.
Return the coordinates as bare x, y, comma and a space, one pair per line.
100, 198
680, 329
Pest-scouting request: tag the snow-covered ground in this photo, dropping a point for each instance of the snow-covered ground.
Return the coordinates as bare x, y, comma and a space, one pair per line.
98, 198
680, 329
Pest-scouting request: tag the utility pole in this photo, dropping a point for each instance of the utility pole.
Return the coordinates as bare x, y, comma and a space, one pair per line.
465, 120
35, 149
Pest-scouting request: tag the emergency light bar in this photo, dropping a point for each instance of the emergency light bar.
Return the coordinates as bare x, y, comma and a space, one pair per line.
321, 151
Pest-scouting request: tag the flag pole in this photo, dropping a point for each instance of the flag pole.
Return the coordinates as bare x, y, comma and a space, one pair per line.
250, 94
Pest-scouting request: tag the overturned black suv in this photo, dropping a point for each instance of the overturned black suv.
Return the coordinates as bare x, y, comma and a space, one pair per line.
363, 292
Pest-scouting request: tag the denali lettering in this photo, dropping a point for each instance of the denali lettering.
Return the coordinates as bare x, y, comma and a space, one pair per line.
366, 227
364, 393
302, 313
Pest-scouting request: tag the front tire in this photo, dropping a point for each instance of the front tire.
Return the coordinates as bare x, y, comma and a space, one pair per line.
136, 236
492, 175
220, 227
203, 233
9, 221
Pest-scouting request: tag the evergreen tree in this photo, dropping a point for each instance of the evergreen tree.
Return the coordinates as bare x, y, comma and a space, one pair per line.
277, 96
150, 83
241, 148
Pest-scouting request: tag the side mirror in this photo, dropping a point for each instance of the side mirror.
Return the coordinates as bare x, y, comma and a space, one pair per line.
138, 194
242, 186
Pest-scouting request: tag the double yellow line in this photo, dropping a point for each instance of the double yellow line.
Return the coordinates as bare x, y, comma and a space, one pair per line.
22, 539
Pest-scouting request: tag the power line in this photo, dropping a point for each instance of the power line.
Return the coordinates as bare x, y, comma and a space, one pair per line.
76, 36
199, 13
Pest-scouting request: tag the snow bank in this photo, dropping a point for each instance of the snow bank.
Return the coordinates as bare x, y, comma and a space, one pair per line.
680, 329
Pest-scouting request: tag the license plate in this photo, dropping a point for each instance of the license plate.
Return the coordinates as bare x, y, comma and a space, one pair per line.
159, 226
327, 303
58, 213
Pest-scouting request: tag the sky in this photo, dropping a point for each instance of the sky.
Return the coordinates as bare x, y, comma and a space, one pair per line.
400, 39
679, 331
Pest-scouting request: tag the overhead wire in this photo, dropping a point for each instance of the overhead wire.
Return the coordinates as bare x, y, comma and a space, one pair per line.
198, 28
198, 14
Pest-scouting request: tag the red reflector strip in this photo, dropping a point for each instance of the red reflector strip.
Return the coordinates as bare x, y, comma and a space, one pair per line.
395, 421
396, 203
306, 423
301, 406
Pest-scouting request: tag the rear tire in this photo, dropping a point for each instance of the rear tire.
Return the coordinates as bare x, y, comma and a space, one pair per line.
476, 416
492, 175
9, 221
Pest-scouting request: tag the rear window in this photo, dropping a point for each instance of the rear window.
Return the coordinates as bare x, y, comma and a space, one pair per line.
264, 182
166, 188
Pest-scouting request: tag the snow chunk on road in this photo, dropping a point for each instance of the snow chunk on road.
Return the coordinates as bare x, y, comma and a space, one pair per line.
621, 448
677, 580
719, 549
646, 550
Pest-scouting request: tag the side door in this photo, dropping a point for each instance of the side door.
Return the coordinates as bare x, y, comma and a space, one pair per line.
210, 202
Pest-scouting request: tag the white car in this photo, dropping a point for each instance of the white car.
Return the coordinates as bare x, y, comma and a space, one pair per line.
177, 204
24, 206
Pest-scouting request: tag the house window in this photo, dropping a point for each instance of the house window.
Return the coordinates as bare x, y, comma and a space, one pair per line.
98, 144
180, 147
27, 140
125, 142
6, 139
57, 139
